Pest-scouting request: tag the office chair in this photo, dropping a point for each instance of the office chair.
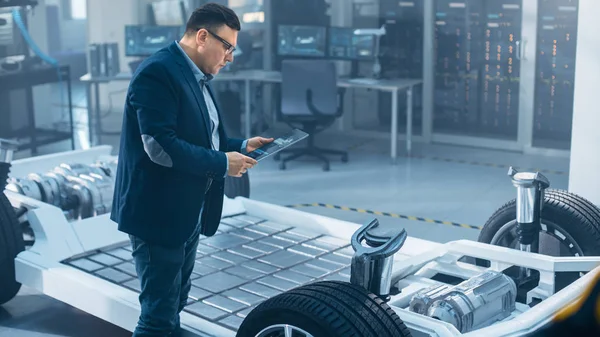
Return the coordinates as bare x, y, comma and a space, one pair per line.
311, 101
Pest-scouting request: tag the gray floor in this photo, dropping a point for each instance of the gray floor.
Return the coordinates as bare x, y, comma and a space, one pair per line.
462, 186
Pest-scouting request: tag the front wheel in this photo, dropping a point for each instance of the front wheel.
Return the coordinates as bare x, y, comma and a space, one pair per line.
327, 308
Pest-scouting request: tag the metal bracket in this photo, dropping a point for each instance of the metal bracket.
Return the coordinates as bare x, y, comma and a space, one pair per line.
372, 265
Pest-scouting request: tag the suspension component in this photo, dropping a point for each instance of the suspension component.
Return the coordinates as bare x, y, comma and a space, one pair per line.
372, 265
530, 200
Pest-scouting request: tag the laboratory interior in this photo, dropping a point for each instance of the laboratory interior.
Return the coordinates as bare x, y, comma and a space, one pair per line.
428, 172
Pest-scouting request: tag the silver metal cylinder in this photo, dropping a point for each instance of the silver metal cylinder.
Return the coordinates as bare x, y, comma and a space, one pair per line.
372, 264
525, 203
382, 276
479, 301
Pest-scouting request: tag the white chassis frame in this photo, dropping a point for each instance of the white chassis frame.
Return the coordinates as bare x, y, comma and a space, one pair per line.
57, 239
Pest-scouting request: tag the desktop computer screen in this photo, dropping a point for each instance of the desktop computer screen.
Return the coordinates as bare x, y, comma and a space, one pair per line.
301, 40
344, 44
146, 40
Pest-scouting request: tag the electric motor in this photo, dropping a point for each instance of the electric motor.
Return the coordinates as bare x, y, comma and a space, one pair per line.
80, 190
25, 187
50, 188
109, 167
478, 301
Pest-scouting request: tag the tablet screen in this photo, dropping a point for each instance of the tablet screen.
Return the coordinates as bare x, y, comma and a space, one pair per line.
278, 144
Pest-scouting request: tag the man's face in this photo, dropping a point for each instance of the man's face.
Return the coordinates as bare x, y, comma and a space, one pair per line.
217, 48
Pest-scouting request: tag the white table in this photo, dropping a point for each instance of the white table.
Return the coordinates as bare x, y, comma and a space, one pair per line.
393, 86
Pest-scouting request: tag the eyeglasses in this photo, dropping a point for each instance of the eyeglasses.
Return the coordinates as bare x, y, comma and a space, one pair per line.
229, 47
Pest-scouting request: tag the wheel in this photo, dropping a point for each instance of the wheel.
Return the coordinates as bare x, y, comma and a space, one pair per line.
344, 158
570, 227
328, 308
325, 167
282, 166
564, 214
237, 187
11, 244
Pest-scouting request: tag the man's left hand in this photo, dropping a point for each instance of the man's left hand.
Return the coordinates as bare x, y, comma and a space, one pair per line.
257, 142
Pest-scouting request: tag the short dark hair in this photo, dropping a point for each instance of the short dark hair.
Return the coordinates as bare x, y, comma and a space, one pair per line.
212, 16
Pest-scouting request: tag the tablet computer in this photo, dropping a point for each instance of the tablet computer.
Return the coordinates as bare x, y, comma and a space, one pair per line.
278, 144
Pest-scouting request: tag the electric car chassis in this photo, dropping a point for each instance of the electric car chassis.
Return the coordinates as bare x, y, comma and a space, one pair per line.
277, 271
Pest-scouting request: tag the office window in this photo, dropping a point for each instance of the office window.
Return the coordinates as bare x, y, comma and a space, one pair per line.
74, 9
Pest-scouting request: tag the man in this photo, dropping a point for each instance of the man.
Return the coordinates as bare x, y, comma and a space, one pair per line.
174, 157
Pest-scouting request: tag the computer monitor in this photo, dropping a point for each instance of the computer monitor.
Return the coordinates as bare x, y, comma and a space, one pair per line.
141, 40
344, 44
301, 40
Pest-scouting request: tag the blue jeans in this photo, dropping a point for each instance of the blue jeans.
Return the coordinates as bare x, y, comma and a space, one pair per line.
164, 275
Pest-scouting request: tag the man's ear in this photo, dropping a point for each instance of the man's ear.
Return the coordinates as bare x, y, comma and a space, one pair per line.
201, 37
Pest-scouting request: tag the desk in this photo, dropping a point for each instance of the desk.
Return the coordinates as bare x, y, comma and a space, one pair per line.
27, 79
393, 86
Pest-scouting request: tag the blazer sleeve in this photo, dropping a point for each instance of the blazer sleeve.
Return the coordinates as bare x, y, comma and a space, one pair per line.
155, 103
234, 144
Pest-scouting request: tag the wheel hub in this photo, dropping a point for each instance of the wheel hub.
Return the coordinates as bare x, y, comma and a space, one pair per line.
283, 330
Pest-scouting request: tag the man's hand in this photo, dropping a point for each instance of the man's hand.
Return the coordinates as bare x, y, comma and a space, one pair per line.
238, 163
257, 142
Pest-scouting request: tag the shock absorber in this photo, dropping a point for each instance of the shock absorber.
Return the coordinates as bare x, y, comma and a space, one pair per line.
372, 264
530, 200
7, 148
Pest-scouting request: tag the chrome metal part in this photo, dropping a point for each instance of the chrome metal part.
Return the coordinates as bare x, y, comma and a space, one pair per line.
50, 188
474, 303
530, 196
109, 167
372, 265
80, 190
283, 330
25, 187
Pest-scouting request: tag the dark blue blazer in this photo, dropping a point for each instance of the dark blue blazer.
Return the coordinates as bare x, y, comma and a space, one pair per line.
156, 200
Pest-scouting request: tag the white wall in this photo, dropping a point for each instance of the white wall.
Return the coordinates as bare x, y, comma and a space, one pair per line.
106, 22
584, 177
72, 32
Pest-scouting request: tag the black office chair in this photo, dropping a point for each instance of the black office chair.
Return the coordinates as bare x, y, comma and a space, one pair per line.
311, 101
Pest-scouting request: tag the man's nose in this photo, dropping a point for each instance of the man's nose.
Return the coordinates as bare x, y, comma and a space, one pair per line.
229, 57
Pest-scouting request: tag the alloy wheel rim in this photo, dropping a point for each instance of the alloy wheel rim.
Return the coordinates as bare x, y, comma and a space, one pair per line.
283, 330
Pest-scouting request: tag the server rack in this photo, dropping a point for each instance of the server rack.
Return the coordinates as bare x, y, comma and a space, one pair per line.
555, 72
402, 56
503, 73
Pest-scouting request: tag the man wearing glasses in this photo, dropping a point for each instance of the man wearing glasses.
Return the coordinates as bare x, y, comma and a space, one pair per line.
174, 156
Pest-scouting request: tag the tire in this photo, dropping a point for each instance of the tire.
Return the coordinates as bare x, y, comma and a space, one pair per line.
237, 187
571, 215
11, 244
569, 219
327, 308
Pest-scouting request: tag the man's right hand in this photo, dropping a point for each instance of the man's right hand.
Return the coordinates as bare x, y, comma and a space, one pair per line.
239, 164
